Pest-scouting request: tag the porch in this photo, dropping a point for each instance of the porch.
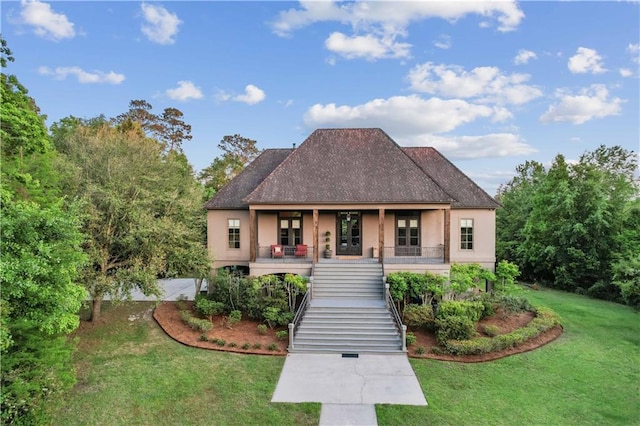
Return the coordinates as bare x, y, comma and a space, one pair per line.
392, 255
299, 234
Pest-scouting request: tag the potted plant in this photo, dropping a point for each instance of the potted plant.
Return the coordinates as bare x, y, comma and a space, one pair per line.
327, 247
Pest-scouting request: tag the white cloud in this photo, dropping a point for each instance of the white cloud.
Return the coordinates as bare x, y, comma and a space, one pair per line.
524, 56
377, 25
46, 22
161, 26
400, 115
252, 95
84, 77
186, 90
586, 61
592, 102
634, 50
625, 72
487, 84
443, 42
466, 147
369, 46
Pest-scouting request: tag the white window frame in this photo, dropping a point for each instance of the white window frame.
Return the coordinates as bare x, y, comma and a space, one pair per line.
233, 238
466, 237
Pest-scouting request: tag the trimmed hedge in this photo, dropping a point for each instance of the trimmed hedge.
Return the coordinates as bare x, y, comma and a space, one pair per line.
545, 320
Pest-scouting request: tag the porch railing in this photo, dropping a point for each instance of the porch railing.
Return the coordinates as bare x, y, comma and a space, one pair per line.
289, 253
403, 254
304, 304
396, 317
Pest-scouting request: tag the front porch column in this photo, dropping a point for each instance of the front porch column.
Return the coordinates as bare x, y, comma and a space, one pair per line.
447, 236
316, 243
252, 235
381, 235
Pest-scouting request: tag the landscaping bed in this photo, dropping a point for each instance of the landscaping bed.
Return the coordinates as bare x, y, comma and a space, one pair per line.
246, 332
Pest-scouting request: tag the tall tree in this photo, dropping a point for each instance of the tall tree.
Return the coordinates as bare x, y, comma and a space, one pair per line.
142, 209
570, 224
237, 153
40, 257
169, 127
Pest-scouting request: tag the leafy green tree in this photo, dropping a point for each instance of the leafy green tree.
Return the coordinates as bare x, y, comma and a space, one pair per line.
237, 153
40, 256
142, 209
568, 226
169, 127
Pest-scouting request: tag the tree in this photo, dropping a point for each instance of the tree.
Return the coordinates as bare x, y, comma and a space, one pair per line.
142, 209
168, 128
238, 152
172, 131
568, 226
40, 257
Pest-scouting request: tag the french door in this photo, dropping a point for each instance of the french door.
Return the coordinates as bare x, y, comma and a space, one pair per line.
349, 234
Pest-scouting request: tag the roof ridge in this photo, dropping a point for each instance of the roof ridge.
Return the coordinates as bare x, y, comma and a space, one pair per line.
272, 171
403, 149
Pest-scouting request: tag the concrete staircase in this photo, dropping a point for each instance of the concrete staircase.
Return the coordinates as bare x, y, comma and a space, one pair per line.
347, 312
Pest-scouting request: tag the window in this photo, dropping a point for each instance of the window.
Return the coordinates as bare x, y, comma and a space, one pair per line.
234, 233
290, 228
466, 234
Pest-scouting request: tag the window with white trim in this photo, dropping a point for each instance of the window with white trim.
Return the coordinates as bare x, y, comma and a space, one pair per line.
466, 234
234, 233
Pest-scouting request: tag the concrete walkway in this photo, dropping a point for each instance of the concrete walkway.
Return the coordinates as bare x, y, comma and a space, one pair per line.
348, 388
172, 289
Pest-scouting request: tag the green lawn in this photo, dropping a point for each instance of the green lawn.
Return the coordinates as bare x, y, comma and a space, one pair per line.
130, 373
588, 376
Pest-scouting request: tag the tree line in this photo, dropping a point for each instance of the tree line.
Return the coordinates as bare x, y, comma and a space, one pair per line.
575, 226
90, 208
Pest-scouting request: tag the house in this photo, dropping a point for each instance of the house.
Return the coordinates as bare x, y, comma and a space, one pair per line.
360, 193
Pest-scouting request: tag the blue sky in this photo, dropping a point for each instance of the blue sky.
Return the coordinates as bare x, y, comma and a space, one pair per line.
489, 84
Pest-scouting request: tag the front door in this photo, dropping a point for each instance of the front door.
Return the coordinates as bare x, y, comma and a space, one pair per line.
349, 234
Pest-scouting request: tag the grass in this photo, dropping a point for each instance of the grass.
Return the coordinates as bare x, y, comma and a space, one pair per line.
130, 373
588, 376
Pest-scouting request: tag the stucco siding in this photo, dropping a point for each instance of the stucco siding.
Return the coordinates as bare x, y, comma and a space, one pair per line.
484, 237
218, 237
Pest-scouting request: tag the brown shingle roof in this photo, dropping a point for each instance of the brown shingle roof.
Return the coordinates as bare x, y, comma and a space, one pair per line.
451, 179
231, 195
348, 165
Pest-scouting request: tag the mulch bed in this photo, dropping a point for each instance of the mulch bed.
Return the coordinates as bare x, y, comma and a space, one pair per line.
167, 316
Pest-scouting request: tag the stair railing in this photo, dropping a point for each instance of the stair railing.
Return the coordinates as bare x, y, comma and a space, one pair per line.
396, 316
300, 312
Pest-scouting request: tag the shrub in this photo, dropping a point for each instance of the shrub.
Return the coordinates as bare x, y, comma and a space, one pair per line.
417, 315
219, 342
272, 347
262, 329
203, 337
246, 346
234, 318
454, 328
207, 308
199, 324
545, 319
185, 316
282, 335
275, 316
411, 339
514, 304
181, 302
491, 330
232, 345
459, 308
420, 350
257, 346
